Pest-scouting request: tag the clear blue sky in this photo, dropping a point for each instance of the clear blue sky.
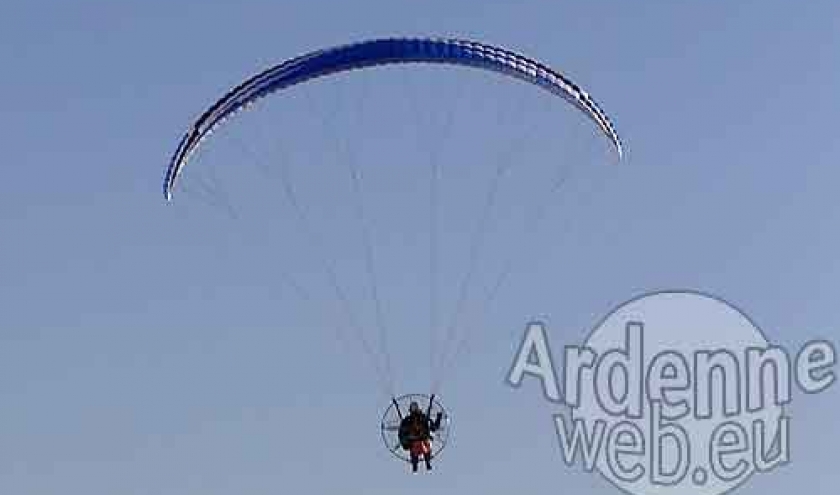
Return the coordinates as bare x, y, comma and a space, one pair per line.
144, 349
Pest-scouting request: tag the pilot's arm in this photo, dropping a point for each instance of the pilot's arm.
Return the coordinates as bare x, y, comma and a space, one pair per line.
435, 425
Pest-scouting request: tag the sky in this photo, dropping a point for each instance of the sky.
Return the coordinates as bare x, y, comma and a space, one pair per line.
162, 348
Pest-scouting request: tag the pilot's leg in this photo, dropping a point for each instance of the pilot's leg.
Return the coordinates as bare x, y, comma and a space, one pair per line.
427, 454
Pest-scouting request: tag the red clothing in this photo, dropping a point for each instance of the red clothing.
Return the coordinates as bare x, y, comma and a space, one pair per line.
421, 448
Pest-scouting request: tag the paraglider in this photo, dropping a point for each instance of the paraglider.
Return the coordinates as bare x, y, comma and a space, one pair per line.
420, 434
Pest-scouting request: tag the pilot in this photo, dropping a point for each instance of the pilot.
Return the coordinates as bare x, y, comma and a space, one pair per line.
415, 435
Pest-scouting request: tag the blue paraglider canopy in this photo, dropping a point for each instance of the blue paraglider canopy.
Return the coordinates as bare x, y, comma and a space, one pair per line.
382, 52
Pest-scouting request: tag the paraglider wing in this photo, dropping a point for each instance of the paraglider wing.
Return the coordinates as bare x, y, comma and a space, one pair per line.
382, 52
